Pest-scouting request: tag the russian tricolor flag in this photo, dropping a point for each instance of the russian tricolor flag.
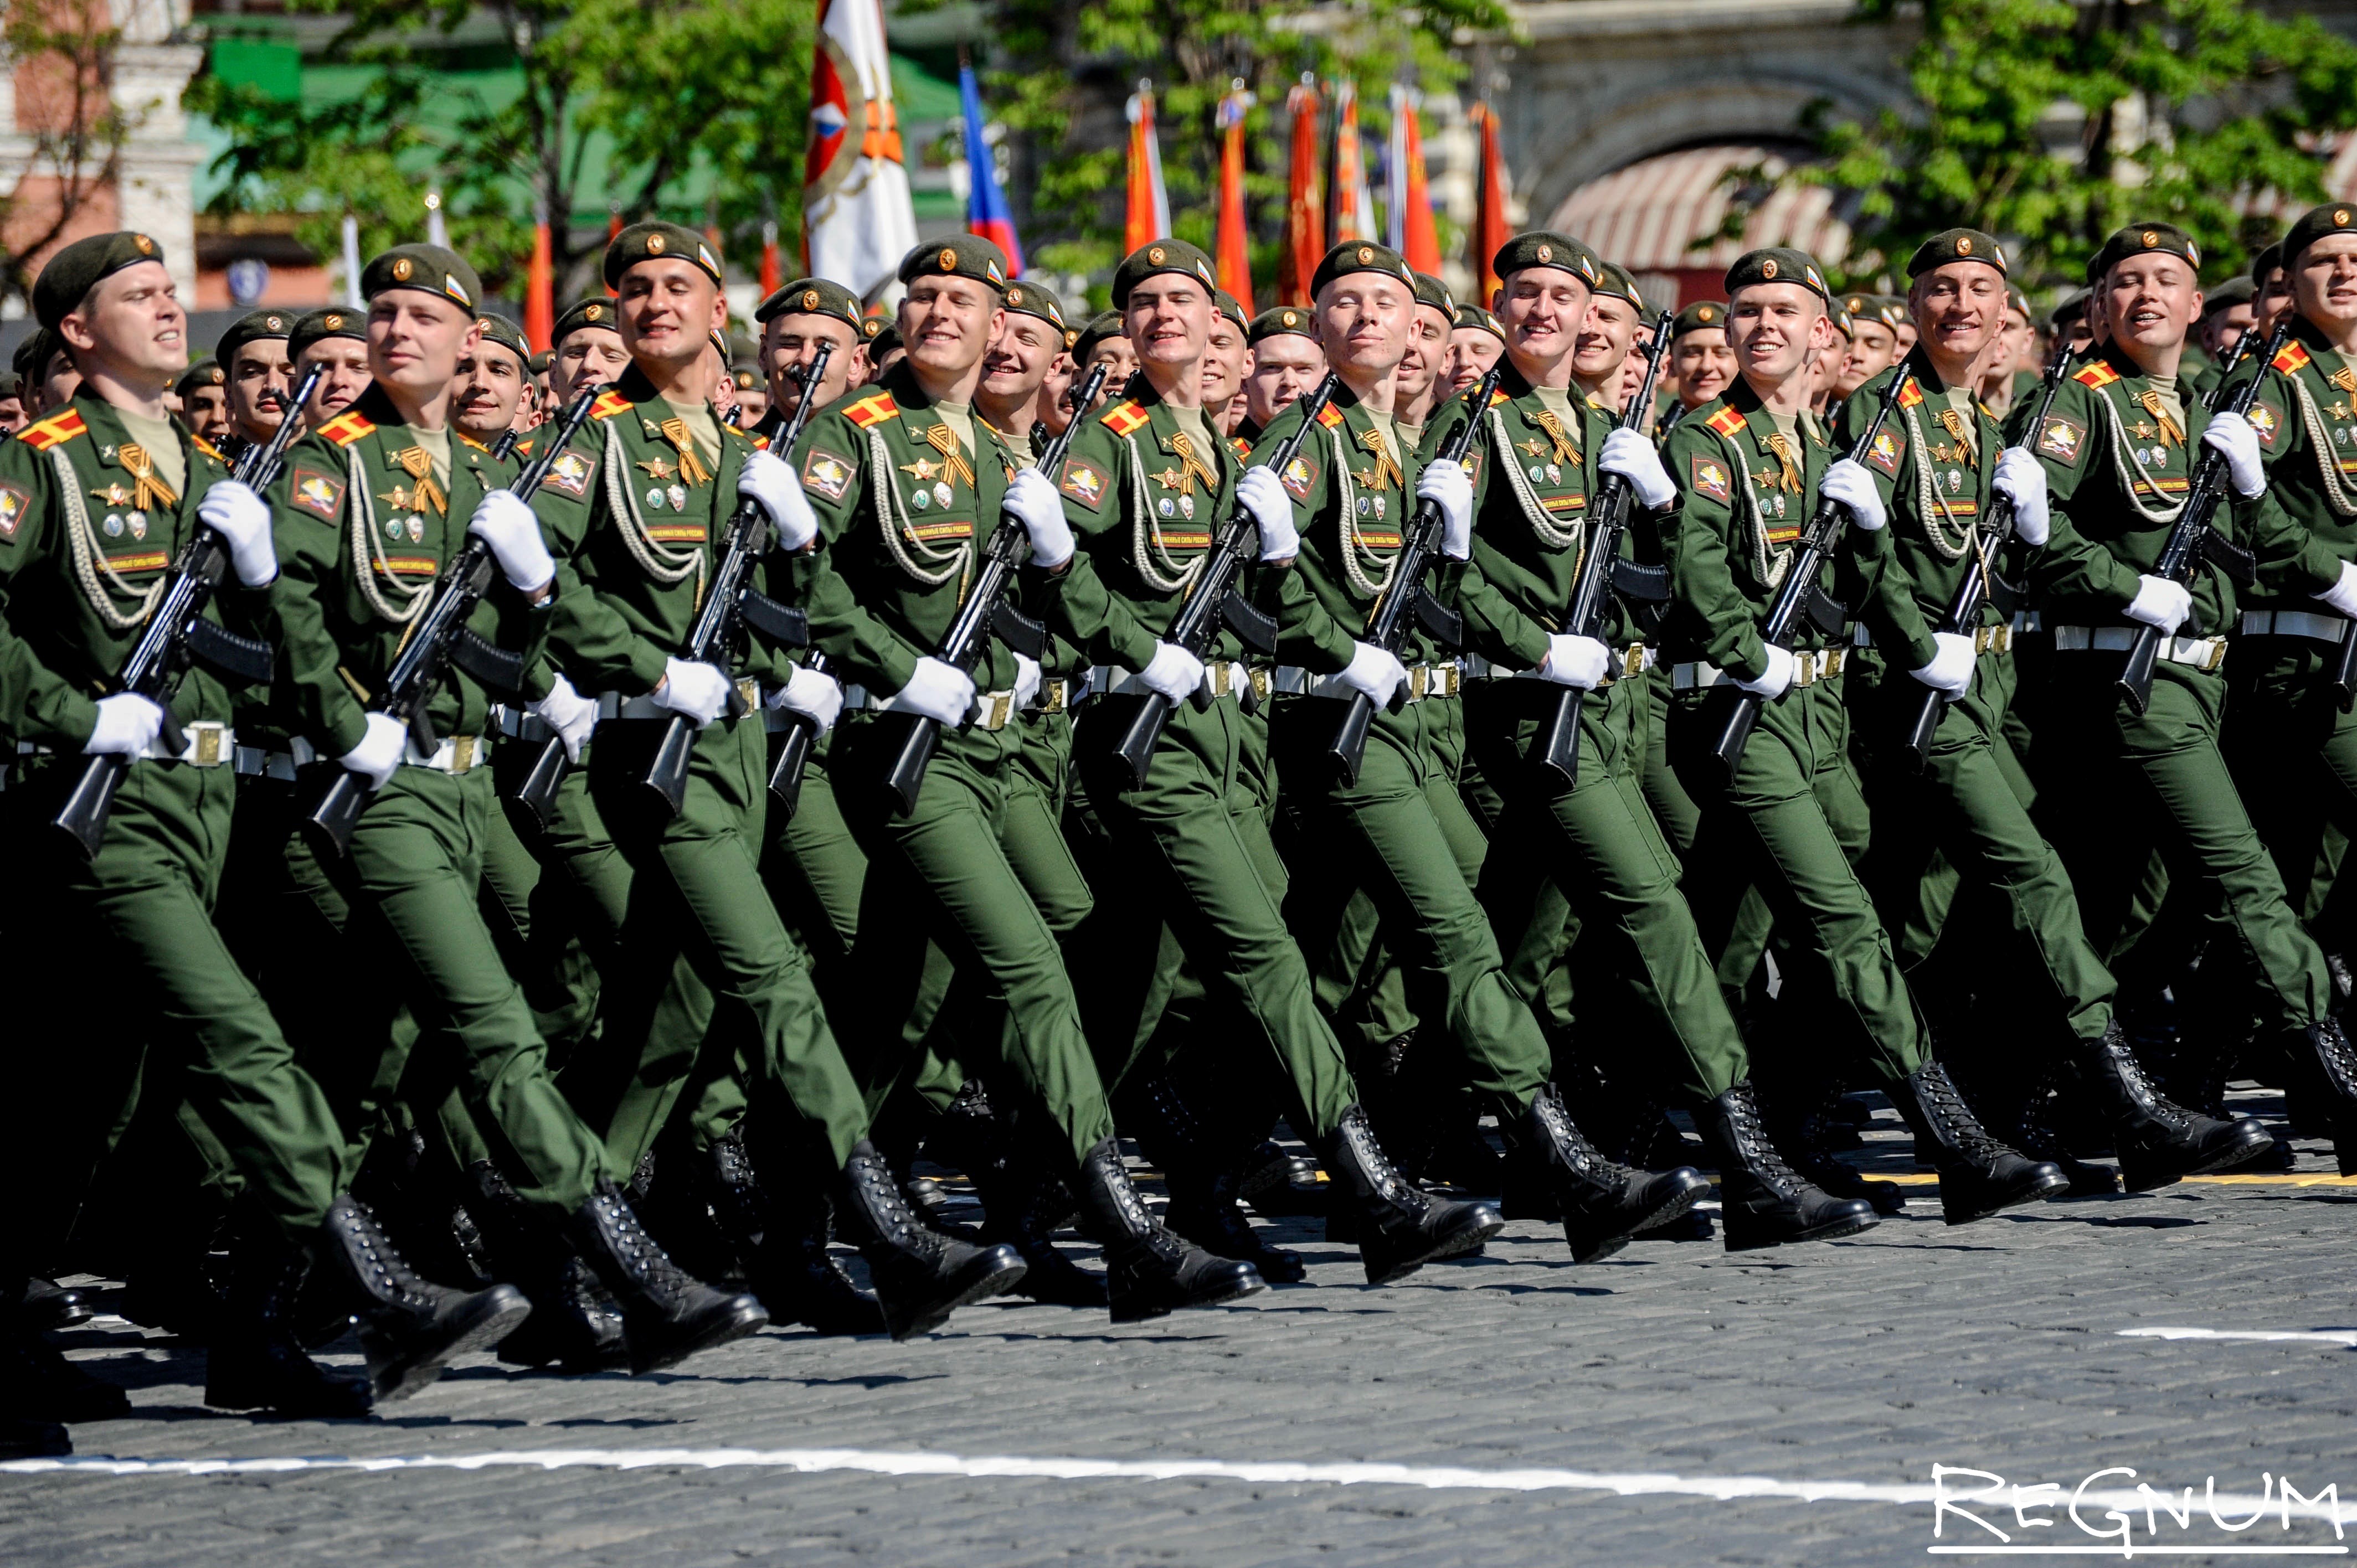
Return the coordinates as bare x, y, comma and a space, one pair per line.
985, 204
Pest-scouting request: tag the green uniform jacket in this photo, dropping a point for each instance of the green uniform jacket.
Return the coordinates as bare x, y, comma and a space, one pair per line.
2110, 466
2307, 435
362, 554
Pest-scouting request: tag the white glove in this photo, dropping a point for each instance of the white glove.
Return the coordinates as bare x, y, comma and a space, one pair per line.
1579, 662
698, 691
938, 690
2022, 478
1026, 680
1777, 679
239, 516
1173, 671
1262, 493
1035, 502
127, 725
1851, 485
1951, 670
378, 756
812, 693
1449, 484
2231, 433
2162, 603
771, 483
1630, 455
502, 521
1375, 672
570, 714
2342, 595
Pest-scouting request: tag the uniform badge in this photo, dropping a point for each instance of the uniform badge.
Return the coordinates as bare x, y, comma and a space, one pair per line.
1185, 506
826, 473
112, 526
1888, 447
943, 494
1084, 482
655, 497
2061, 439
317, 492
1710, 479
1167, 507
678, 495
1301, 477
1555, 473
1538, 473
1366, 506
920, 497
14, 502
2265, 422
569, 473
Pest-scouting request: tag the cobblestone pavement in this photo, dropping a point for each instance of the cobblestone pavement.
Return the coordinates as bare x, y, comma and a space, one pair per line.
1999, 1346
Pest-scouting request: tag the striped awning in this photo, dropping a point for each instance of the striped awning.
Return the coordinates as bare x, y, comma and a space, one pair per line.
1647, 216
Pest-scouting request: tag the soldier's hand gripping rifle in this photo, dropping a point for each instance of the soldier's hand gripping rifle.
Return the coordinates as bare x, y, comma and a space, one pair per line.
1406, 595
440, 639
1980, 583
1601, 569
985, 610
1800, 595
2192, 541
177, 635
729, 607
1213, 601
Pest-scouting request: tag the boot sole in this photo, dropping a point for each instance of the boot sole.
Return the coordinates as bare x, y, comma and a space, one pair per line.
1465, 1243
735, 1325
357, 1407
1590, 1247
2141, 1177
501, 1312
2054, 1188
1830, 1233
997, 1282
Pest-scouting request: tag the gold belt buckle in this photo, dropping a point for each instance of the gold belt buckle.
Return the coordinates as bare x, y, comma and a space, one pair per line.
1804, 668
2216, 656
750, 691
462, 753
1051, 696
1418, 677
1223, 678
1833, 664
995, 714
1261, 684
205, 749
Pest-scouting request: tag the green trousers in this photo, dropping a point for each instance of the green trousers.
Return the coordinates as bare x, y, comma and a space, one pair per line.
2288, 743
1785, 824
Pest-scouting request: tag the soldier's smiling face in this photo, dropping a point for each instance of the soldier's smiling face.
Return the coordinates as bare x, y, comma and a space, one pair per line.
1873, 348
132, 321
1775, 326
2150, 301
1285, 365
1168, 320
346, 377
948, 323
1605, 334
588, 356
415, 340
1542, 309
1019, 358
2324, 281
1471, 351
791, 341
1362, 324
1223, 362
1427, 355
1705, 365
669, 309
1959, 306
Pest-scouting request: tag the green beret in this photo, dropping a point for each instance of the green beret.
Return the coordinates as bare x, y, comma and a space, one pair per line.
1778, 264
1359, 257
2332, 218
259, 326
429, 269
640, 242
2266, 261
2017, 300
33, 354
811, 297
956, 255
334, 321
1227, 306
2144, 239
1844, 322
205, 373
1545, 248
746, 379
11, 384
1162, 256
1101, 326
2073, 307
81, 267
2234, 290
1431, 292
1614, 280
1701, 315
1475, 316
1293, 318
506, 334
1956, 245
540, 362
1894, 313
1034, 299
598, 311
883, 340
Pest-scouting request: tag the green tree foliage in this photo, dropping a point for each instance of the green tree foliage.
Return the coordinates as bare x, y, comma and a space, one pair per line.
61, 51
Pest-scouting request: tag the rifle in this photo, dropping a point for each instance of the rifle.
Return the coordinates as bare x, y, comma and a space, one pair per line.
177, 635
1965, 611
1406, 595
1214, 601
504, 448
2192, 541
439, 639
984, 610
793, 756
1600, 571
1800, 593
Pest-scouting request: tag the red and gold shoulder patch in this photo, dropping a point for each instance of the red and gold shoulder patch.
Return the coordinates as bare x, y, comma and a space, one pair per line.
610, 404
1498, 395
1728, 421
346, 428
1124, 418
2292, 360
1911, 394
872, 411
1240, 447
1331, 417
207, 447
54, 431
2098, 374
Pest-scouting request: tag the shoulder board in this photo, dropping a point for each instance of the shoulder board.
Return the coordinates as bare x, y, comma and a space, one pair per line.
523, 447
54, 431
1498, 395
470, 441
207, 447
1331, 417
872, 411
2293, 359
346, 428
1240, 447
2096, 375
761, 443
609, 404
1911, 394
1124, 418
1727, 420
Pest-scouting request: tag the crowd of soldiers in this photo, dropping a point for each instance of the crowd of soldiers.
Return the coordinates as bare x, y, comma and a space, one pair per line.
936, 738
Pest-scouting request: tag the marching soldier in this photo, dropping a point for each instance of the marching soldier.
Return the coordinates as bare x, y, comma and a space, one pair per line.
585, 350
260, 371
752, 397
1474, 346
337, 338
794, 321
204, 400
1017, 367
494, 384
1701, 366
1421, 385
1286, 363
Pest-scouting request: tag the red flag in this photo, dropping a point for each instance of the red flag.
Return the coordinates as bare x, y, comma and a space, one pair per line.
1305, 222
1234, 243
1148, 216
1489, 235
769, 257
613, 230
1349, 211
1412, 232
540, 289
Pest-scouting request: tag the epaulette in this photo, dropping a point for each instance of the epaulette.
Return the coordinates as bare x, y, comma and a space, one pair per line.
872, 411
207, 447
1331, 417
761, 443
1498, 395
54, 431
346, 428
1728, 421
469, 440
2098, 374
1125, 418
1240, 447
522, 449
2292, 360
1911, 394
610, 404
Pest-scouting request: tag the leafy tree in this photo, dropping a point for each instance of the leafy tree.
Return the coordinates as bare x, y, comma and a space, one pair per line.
61, 53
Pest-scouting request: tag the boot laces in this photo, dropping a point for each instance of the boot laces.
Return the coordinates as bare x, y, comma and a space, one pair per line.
886, 1208
1570, 1145
1949, 1115
1753, 1144
646, 1262
387, 1273
2123, 1061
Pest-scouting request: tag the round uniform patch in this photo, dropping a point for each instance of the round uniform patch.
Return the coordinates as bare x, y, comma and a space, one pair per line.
654, 245
335, 323
1964, 245
2150, 238
654, 497
402, 268
1365, 255
1014, 296
146, 246
1768, 268
678, 497
920, 497
1546, 253
595, 313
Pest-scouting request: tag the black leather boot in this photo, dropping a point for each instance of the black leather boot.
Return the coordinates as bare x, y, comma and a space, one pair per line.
1281, 1185
1785, 1116
410, 1328
1024, 1208
24, 1437
39, 1385
2026, 1126
1978, 1175
1603, 1204
46, 1305
2325, 1067
1149, 1272
1399, 1227
2158, 1140
1762, 1201
795, 1275
255, 1361
667, 1313
574, 1325
920, 1275
1201, 1179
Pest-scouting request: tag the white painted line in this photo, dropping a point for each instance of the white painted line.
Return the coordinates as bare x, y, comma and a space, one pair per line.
2311, 1337
2138, 1551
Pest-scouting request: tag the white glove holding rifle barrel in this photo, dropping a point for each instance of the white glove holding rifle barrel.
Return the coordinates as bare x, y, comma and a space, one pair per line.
1262, 493
1036, 505
770, 481
239, 516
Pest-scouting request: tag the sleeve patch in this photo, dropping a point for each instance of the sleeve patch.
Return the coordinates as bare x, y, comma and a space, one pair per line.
826, 473
569, 474
1889, 449
15, 504
2061, 439
315, 492
1301, 477
1711, 478
1473, 468
1084, 482
2265, 421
